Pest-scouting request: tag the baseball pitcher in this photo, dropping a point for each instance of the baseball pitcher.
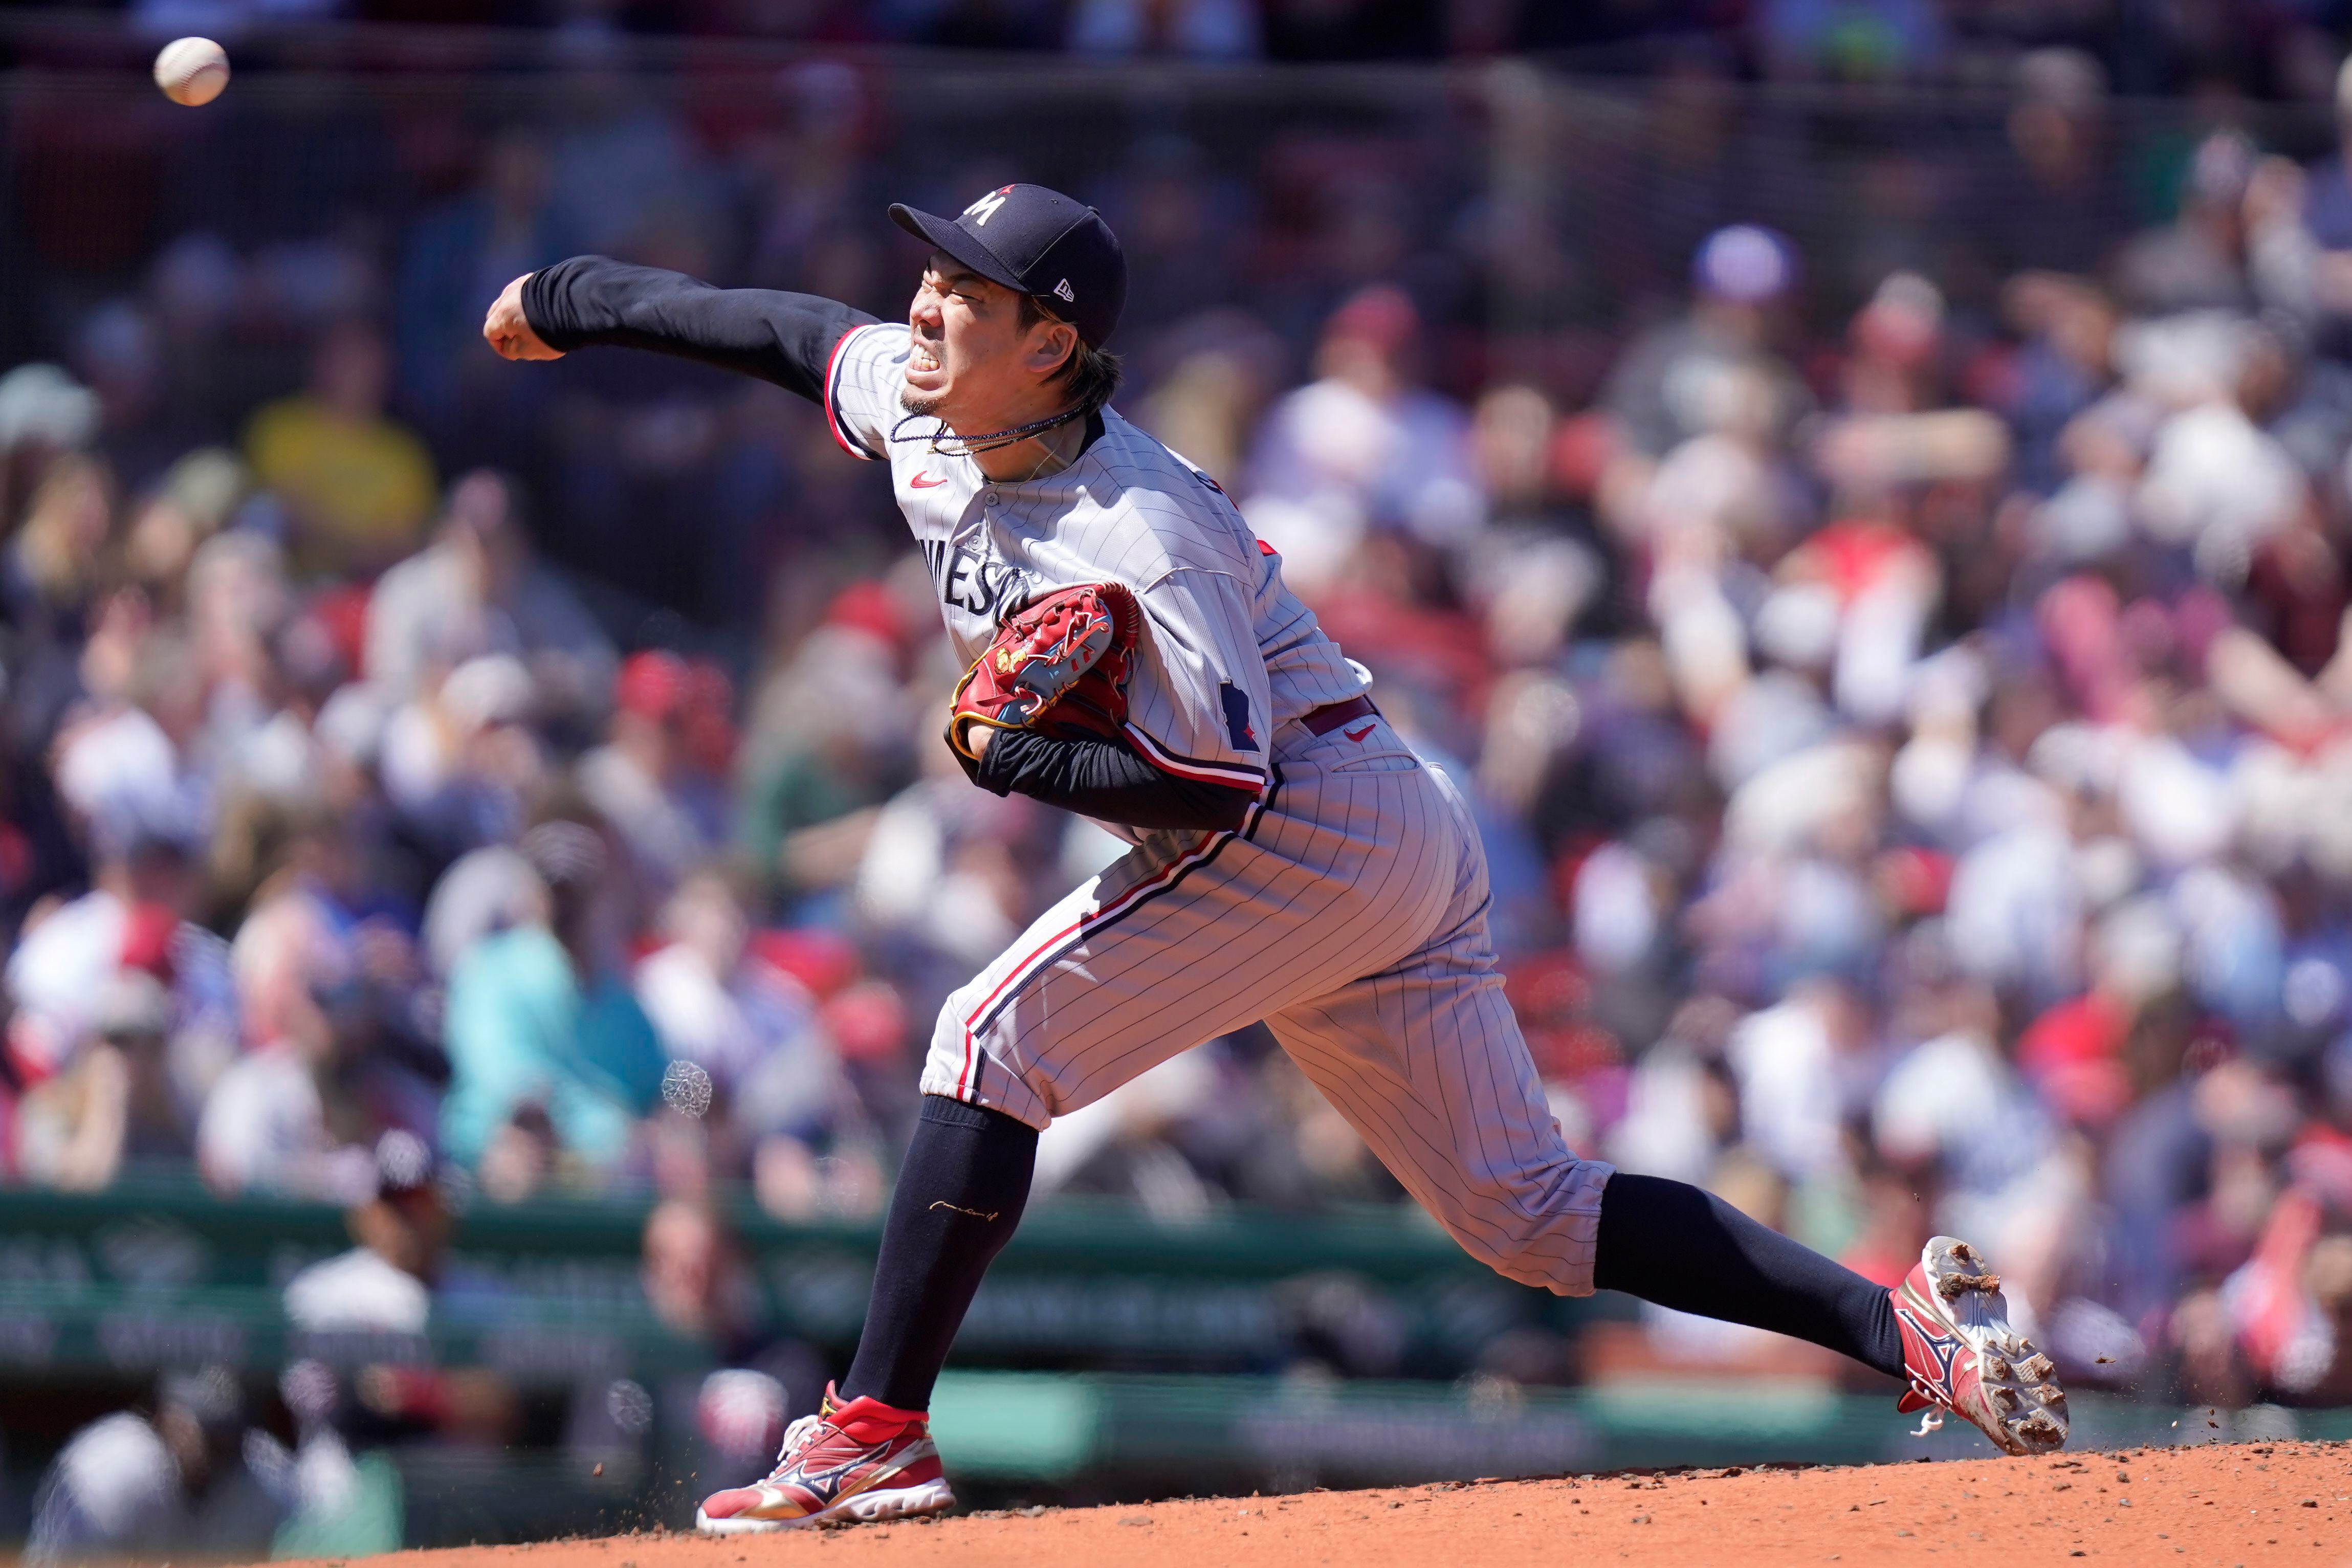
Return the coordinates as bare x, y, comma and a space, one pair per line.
1134, 656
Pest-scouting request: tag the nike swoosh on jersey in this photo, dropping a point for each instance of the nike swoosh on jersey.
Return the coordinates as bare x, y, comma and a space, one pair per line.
1357, 734
923, 482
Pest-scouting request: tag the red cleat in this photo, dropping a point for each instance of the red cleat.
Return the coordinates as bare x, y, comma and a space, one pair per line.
862, 1460
1962, 1356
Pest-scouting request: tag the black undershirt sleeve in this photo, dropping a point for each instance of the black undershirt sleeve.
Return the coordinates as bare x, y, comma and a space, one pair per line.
1107, 780
787, 338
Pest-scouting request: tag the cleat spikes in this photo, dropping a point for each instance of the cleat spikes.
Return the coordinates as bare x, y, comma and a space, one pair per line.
1963, 1356
2039, 1428
1951, 1287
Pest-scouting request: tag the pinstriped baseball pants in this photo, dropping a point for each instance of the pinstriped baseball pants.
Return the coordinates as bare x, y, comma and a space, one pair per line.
1350, 917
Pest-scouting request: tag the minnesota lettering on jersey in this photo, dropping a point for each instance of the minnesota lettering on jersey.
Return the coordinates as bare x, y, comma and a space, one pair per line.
972, 582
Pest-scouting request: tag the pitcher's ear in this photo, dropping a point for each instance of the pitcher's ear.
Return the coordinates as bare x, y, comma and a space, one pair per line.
1053, 350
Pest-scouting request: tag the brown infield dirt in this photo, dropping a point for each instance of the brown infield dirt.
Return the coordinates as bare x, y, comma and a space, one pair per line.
2239, 1503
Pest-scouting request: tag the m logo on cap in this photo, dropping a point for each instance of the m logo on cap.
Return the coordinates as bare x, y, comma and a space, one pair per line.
981, 211
1024, 238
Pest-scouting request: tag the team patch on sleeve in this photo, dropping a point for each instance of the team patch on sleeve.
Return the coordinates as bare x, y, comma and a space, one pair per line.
1238, 729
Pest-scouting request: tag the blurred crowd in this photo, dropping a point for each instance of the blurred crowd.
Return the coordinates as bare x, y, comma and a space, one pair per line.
1913, 739
2284, 51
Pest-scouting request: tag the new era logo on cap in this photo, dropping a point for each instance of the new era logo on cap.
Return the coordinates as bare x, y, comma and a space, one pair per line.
1040, 242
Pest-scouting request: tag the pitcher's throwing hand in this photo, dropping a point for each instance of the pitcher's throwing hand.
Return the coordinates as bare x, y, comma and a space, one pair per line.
506, 329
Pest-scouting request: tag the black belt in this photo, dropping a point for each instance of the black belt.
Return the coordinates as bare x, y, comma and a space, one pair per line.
1331, 716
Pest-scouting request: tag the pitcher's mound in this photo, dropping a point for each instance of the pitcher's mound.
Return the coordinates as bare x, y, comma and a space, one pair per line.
2240, 1504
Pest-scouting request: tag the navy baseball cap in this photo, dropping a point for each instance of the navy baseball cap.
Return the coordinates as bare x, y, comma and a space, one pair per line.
1039, 241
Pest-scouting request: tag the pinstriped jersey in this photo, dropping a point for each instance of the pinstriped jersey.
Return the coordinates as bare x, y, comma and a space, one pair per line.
1226, 653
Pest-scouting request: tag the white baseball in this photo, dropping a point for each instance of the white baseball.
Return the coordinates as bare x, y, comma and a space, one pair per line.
192, 71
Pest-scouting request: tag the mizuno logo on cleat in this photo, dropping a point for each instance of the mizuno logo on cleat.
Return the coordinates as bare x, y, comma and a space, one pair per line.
826, 1483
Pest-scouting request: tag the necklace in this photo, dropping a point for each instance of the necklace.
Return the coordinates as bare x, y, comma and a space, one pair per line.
1051, 455
948, 444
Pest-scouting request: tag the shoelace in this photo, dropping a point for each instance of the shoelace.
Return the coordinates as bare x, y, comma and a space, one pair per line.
1931, 1420
792, 1436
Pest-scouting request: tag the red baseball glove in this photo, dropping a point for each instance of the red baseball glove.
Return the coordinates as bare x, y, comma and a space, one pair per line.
1059, 665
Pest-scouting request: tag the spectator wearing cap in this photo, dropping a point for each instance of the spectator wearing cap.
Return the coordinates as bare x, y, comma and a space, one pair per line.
181, 511
699, 1286
66, 957
828, 735
485, 891
265, 1125
650, 778
49, 567
382, 1292
2049, 198
1365, 445
1662, 388
384, 1284
478, 589
179, 1483
115, 1100
552, 1056
1705, 478
44, 413
463, 761
2197, 262
748, 1024
698, 1283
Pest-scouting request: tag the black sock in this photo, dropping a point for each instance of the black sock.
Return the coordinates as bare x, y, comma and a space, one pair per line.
960, 1196
1669, 1242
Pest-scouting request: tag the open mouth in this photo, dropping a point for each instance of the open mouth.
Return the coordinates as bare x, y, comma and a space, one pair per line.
922, 357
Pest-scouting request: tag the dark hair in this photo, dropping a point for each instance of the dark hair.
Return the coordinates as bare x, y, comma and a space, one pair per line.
1090, 374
